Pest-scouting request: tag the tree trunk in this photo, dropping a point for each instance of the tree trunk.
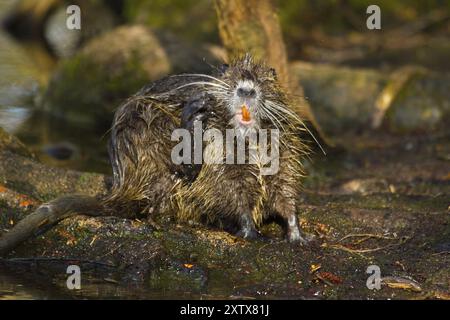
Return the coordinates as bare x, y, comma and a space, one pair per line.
252, 26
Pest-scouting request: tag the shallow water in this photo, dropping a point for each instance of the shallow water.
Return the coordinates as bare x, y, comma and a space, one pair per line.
20, 81
22, 76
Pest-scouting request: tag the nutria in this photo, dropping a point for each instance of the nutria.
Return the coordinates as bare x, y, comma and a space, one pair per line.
244, 95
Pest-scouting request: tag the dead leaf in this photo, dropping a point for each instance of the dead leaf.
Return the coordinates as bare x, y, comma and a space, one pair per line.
314, 267
329, 278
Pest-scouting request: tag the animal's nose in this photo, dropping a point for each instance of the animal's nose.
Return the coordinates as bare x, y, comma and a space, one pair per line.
246, 92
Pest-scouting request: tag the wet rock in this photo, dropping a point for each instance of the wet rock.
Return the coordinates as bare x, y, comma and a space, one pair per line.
110, 68
342, 98
345, 100
422, 105
12, 144
96, 18
61, 151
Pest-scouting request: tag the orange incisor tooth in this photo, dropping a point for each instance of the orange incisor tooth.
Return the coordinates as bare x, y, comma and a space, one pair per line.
245, 113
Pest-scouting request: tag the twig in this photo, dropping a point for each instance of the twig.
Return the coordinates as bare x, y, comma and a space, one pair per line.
366, 236
344, 248
361, 251
439, 253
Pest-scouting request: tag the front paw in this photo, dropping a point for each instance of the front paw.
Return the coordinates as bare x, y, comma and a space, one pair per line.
194, 110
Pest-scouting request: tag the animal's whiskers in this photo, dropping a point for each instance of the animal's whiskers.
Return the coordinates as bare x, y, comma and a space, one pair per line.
205, 83
201, 75
295, 119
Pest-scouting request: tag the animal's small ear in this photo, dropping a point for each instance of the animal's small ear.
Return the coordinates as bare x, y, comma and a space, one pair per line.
273, 73
223, 68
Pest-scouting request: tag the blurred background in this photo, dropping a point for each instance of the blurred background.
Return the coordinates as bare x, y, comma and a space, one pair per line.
60, 87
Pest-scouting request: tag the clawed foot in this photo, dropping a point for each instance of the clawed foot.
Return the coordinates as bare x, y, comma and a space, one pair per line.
299, 237
294, 234
251, 235
247, 229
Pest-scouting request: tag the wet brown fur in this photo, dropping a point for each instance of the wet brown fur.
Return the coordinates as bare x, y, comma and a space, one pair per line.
147, 181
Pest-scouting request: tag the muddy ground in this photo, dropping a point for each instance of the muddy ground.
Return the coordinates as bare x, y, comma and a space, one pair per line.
382, 200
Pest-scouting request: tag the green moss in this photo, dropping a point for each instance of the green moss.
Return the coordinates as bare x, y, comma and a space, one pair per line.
85, 89
421, 105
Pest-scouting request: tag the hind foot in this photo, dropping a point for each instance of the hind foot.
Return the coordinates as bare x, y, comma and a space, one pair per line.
247, 229
298, 237
293, 232
248, 234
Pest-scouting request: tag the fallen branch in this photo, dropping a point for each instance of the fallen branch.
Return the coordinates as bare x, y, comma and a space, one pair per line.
46, 216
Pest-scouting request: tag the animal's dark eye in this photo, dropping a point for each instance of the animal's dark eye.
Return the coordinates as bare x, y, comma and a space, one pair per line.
223, 68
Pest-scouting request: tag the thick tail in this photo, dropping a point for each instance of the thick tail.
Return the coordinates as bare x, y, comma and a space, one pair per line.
48, 215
